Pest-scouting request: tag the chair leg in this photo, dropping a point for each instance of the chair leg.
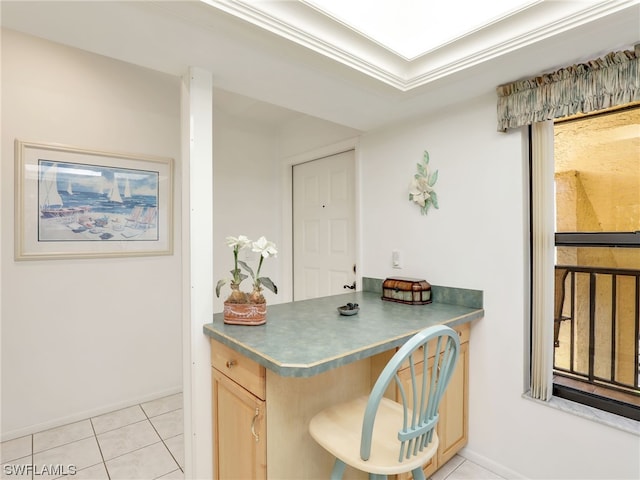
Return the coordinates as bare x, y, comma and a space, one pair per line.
338, 469
418, 474
376, 476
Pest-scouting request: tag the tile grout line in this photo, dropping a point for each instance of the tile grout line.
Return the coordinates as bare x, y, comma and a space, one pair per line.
69, 443
134, 450
104, 463
146, 419
461, 463
457, 467
162, 439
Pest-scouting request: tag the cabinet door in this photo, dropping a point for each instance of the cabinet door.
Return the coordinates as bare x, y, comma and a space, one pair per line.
239, 431
453, 425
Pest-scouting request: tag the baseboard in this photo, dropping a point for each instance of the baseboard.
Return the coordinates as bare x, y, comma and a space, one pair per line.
489, 464
76, 417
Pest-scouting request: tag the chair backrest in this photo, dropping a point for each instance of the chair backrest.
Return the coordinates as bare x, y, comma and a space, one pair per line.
416, 431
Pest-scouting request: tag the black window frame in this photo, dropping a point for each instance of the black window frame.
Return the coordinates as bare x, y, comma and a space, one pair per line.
598, 239
623, 239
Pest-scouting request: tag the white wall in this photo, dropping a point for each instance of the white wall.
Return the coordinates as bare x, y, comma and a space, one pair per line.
309, 134
246, 197
478, 239
252, 189
80, 337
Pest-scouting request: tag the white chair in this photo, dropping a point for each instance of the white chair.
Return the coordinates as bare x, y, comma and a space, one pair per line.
382, 437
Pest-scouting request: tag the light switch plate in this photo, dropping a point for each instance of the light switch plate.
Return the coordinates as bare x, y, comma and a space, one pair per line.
395, 259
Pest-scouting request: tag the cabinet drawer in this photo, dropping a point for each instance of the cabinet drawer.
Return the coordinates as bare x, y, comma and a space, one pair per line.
240, 369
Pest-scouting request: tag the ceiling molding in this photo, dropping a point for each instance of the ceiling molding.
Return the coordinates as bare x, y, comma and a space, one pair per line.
422, 49
311, 28
308, 27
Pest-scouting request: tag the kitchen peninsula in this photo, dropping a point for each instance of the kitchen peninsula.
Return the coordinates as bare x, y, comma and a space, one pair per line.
269, 380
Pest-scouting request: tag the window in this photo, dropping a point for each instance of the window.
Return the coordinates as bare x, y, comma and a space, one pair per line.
596, 295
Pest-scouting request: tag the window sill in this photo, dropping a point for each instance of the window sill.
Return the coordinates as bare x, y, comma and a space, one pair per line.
590, 413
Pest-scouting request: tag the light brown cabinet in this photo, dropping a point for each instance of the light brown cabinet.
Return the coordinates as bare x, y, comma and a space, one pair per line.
453, 426
243, 392
239, 415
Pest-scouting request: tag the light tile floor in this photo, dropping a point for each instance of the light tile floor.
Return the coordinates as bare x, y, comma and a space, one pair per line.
459, 468
136, 443
140, 442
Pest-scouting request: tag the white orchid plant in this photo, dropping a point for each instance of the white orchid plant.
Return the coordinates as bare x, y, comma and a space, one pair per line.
421, 188
266, 249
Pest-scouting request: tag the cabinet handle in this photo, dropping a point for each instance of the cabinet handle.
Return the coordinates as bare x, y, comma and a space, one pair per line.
231, 363
253, 425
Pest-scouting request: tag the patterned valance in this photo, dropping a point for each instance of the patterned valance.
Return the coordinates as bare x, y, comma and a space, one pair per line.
586, 87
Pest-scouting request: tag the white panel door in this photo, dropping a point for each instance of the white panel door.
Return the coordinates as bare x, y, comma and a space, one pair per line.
323, 226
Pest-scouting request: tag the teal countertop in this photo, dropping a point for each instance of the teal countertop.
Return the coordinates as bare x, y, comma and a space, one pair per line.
308, 337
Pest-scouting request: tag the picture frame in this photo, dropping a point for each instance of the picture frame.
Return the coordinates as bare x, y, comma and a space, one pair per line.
77, 203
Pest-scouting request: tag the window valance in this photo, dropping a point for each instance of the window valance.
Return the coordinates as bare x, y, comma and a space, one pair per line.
586, 87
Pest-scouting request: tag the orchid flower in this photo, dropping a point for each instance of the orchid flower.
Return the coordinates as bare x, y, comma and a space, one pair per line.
240, 242
237, 244
266, 249
262, 246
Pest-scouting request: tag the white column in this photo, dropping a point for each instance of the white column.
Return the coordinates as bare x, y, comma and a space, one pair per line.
197, 214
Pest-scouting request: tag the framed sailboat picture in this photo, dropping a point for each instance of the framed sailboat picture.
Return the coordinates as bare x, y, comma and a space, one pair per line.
73, 202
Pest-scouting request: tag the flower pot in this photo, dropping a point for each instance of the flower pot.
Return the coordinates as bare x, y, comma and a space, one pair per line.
245, 313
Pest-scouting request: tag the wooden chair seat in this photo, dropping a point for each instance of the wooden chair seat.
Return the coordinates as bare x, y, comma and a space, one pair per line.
338, 429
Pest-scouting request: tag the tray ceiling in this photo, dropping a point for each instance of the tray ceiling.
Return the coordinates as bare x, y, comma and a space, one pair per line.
409, 43
411, 28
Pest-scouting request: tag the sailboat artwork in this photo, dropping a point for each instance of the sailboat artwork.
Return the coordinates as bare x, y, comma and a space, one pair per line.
83, 202
51, 203
114, 194
75, 202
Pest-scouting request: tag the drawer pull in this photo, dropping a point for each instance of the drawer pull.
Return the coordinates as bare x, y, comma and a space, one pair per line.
253, 426
231, 363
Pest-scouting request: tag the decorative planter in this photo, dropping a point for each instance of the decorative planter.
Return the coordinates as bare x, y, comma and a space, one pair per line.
245, 313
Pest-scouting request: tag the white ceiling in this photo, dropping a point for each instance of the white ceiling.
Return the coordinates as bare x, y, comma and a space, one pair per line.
281, 59
423, 28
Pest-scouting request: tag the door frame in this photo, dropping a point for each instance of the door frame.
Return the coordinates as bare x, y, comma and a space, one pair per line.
287, 207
